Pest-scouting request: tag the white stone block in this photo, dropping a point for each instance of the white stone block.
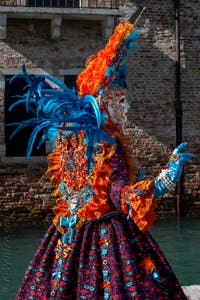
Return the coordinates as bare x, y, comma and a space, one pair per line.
83, 3
192, 292
21, 2
3, 19
3, 26
2, 150
56, 27
2, 84
107, 27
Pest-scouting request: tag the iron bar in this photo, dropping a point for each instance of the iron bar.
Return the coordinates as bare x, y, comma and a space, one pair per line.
109, 4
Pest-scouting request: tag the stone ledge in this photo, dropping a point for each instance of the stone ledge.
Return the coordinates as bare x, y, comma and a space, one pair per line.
62, 11
192, 292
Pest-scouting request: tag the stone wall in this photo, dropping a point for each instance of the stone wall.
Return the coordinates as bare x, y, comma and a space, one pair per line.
26, 194
24, 190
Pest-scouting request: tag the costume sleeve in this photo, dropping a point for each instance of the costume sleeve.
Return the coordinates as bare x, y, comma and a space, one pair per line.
119, 177
137, 202
134, 200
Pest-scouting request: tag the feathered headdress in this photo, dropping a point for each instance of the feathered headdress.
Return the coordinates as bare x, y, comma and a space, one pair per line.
59, 110
107, 69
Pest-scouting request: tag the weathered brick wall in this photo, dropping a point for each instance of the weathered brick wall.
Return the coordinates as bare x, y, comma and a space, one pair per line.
9, 2
31, 44
152, 78
152, 95
190, 82
152, 82
26, 194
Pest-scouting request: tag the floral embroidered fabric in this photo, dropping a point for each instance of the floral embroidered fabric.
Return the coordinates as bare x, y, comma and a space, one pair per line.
105, 262
108, 257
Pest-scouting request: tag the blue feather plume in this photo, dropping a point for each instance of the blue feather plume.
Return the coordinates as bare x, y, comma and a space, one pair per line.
58, 109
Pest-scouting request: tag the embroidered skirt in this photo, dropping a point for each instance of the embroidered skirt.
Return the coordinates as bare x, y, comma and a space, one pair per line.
109, 258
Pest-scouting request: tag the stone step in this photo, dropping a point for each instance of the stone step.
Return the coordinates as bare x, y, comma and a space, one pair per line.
192, 292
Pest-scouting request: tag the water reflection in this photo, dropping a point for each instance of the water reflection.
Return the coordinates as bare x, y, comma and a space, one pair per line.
179, 242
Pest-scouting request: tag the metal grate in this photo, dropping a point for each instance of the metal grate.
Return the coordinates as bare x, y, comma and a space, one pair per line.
53, 3
110, 4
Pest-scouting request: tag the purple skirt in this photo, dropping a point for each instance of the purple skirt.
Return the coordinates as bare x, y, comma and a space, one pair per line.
105, 262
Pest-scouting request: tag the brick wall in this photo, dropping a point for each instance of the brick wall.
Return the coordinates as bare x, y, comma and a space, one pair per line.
152, 78
24, 189
26, 194
31, 44
9, 2
190, 79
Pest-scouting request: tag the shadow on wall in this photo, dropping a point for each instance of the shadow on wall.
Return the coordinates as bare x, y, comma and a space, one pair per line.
152, 73
31, 44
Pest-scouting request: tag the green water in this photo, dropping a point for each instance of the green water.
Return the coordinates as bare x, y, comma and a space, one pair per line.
180, 244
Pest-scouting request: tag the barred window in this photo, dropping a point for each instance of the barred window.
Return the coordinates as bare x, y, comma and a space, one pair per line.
74, 3
53, 3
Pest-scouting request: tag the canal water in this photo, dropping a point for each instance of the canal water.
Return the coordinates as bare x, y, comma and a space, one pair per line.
180, 243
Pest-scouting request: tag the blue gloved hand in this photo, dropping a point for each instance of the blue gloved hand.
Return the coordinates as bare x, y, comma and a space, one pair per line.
177, 161
169, 177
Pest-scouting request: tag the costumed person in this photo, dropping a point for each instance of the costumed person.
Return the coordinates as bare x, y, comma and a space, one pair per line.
98, 246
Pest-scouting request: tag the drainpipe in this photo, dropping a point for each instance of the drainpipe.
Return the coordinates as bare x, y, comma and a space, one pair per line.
178, 104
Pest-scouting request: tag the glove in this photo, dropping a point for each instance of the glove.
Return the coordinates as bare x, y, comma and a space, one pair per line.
168, 178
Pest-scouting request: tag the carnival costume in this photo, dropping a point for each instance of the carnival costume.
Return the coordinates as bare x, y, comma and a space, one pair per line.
98, 246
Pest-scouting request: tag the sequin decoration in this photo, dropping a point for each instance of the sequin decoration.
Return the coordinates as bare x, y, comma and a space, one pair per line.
105, 264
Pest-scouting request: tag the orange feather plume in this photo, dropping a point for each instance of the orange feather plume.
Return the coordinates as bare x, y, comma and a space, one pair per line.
90, 79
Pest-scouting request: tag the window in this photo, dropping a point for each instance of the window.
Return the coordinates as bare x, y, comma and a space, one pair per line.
70, 81
53, 3
17, 146
74, 3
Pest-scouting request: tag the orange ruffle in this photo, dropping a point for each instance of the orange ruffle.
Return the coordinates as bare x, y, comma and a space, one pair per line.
77, 178
142, 206
89, 80
98, 206
60, 210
